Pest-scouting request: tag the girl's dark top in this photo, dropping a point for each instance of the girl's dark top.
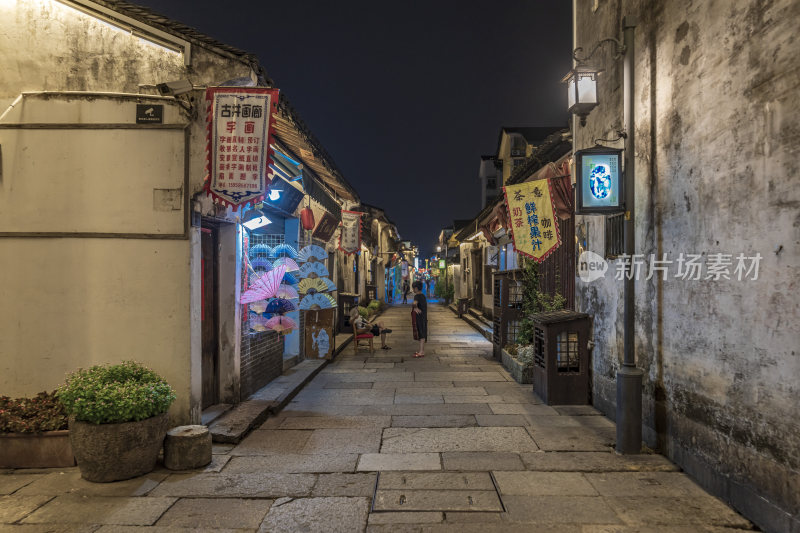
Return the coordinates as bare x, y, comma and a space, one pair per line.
422, 305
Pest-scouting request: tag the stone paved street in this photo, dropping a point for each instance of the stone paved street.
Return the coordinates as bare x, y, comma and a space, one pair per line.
385, 442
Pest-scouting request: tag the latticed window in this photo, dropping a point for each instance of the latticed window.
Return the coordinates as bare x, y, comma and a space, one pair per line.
567, 356
513, 331
515, 294
538, 347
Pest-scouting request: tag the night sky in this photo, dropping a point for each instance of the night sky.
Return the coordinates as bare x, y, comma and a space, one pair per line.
405, 96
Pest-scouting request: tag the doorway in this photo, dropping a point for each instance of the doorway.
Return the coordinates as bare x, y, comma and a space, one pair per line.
209, 311
477, 279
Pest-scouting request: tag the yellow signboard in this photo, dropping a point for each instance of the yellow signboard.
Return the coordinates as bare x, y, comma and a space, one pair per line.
532, 219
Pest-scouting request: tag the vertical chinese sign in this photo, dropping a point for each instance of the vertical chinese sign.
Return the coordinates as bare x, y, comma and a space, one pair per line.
240, 127
532, 219
350, 237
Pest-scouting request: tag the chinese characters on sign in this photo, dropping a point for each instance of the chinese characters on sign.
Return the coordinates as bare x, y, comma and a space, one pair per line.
532, 219
326, 227
350, 237
240, 128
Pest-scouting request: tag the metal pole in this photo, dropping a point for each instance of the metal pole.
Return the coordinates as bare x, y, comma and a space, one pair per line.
629, 378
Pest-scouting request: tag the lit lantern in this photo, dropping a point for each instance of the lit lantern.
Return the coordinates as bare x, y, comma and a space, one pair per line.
307, 218
581, 91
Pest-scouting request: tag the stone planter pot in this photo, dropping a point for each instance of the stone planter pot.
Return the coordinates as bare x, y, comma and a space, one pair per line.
50, 449
520, 373
113, 452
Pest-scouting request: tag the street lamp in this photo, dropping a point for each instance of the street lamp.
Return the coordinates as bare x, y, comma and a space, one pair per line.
582, 99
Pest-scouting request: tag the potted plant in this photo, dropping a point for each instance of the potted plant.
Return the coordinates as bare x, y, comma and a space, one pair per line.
117, 419
33, 433
445, 290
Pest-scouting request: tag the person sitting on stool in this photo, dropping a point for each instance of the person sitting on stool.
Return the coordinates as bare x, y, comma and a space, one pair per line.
362, 326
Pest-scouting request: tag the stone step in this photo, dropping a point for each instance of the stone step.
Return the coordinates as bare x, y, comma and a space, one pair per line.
485, 329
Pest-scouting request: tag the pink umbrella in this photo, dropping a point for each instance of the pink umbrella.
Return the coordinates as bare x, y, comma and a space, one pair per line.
281, 324
264, 287
258, 323
287, 291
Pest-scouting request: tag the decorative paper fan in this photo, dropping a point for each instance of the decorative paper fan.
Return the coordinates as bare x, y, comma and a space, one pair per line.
258, 323
291, 266
331, 299
280, 306
260, 249
315, 301
263, 287
261, 263
288, 292
289, 279
329, 284
281, 324
312, 251
311, 285
313, 270
285, 250
259, 306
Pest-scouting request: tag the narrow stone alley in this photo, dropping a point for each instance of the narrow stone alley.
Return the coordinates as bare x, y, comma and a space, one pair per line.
387, 442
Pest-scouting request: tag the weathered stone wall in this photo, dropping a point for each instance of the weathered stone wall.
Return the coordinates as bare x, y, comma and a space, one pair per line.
717, 141
116, 298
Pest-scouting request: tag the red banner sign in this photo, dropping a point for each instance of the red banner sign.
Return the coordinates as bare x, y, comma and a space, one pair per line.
240, 127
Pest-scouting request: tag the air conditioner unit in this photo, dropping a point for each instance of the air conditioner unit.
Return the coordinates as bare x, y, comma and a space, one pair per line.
517, 153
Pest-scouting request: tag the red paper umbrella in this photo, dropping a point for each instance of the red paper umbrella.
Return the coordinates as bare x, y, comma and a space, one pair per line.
281, 324
264, 287
307, 218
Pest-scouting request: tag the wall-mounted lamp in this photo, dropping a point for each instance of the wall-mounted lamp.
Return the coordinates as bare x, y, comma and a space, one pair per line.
582, 80
581, 91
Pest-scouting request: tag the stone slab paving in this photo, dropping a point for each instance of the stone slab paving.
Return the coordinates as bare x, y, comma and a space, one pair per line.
385, 442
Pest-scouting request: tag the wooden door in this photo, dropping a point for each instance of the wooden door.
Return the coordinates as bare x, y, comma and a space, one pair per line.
209, 312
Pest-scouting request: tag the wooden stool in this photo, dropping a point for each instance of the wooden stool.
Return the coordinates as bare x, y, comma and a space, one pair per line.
363, 336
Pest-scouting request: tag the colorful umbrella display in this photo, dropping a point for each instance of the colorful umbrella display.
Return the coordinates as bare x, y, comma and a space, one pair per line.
313, 270
281, 324
312, 251
289, 279
288, 262
280, 306
284, 250
258, 323
288, 292
264, 286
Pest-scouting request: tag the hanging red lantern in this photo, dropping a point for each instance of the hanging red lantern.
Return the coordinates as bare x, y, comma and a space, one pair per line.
307, 218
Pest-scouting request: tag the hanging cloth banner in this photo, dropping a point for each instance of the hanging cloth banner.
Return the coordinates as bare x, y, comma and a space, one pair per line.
350, 236
532, 219
240, 128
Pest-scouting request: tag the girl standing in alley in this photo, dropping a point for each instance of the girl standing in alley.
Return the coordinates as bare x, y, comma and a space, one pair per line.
419, 317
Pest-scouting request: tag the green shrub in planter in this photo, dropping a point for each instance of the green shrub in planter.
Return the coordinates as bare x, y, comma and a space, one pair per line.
374, 306
363, 311
125, 392
41, 413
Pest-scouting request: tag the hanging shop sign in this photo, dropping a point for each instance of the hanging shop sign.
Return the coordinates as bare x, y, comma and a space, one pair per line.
599, 186
350, 237
240, 126
283, 196
404, 269
534, 227
327, 225
492, 256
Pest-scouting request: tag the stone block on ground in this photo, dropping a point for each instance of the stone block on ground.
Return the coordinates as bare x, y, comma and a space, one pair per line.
187, 447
